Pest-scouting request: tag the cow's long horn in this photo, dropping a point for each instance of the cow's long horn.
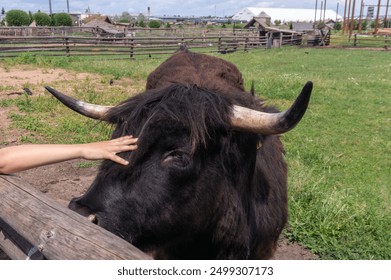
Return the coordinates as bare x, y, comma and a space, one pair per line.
87, 109
245, 119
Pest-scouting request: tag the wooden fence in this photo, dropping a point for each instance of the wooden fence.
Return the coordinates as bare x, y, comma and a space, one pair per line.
362, 41
131, 47
371, 41
33, 226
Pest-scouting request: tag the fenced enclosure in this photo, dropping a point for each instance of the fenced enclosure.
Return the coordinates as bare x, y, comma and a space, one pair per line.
33, 226
135, 42
131, 43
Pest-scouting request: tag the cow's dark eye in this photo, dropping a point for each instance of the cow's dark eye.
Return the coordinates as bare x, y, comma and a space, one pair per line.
177, 158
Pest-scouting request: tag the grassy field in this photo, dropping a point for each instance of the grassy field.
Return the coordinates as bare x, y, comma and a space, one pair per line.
339, 155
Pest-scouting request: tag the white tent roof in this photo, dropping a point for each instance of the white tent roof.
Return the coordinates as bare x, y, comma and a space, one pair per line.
285, 15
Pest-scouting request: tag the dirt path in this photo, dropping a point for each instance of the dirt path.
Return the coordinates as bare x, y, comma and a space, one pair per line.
66, 180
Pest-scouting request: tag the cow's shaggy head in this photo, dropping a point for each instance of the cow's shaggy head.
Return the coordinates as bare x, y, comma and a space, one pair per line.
208, 179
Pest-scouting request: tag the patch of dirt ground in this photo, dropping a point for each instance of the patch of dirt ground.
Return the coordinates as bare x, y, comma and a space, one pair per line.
66, 180
13, 81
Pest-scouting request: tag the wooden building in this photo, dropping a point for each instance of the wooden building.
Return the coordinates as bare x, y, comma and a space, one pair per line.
275, 37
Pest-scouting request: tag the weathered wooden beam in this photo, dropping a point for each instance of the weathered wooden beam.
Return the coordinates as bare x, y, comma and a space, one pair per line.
16, 246
56, 231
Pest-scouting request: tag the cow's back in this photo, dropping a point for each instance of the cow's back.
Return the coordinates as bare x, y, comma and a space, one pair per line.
205, 71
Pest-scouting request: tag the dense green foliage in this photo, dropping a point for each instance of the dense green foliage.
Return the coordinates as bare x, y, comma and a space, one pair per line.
17, 18
339, 154
154, 24
140, 23
62, 19
42, 19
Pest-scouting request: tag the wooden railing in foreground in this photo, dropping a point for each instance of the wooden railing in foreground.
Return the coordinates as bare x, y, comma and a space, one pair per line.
34, 226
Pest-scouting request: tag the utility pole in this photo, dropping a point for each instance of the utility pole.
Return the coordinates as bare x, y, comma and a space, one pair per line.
352, 21
336, 15
386, 25
68, 6
348, 21
50, 7
324, 10
316, 11
377, 17
344, 17
360, 20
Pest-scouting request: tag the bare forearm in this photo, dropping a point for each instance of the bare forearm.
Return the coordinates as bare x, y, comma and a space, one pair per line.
19, 158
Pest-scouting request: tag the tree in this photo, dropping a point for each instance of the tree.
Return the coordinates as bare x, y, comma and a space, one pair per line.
154, 24
62, 19
140, 20
141, 23
42, 19
338, 26
17, 18
126, 15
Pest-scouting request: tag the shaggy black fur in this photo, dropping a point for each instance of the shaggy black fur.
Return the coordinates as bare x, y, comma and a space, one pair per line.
194, 189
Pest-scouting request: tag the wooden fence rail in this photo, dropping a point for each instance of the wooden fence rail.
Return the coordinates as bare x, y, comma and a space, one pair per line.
32, 223
371, 41
363, 41
130, 47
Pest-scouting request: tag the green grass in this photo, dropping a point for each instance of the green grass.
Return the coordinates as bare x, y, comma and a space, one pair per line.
339, 155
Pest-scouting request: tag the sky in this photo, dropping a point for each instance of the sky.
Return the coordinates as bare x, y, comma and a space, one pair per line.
167, 7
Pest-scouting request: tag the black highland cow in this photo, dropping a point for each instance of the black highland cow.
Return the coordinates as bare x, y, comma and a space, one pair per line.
208, 180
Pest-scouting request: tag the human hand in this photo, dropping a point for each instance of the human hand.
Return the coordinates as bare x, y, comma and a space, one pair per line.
109, 149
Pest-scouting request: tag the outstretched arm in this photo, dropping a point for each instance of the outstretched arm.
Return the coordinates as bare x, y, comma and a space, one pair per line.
19, 158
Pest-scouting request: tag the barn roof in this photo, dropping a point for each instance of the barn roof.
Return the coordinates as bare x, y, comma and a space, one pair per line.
265, 27
285, 15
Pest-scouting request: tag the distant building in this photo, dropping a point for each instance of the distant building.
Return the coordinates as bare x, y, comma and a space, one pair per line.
284, 15
104, 26
302, 26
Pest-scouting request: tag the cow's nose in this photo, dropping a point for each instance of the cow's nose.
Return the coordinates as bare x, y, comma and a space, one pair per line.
93, 218
78, 207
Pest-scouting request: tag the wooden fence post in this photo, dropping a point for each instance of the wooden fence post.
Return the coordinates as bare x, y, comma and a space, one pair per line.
219, 43
246, 44
67, 50
131, 47
235, 44
269, 40
281, 39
